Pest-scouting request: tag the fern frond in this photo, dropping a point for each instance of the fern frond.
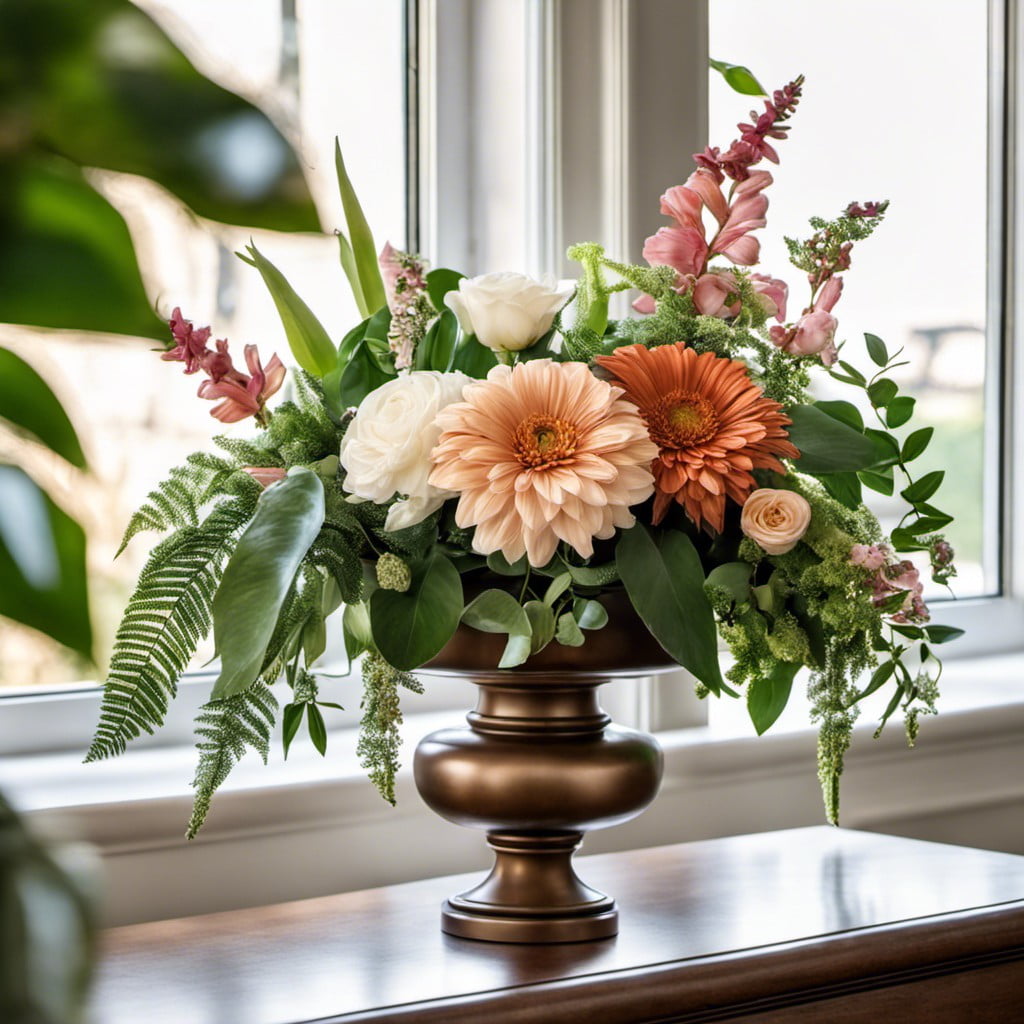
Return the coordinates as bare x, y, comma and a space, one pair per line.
168, 615
176, 502
225, 729
250, 453
334, 552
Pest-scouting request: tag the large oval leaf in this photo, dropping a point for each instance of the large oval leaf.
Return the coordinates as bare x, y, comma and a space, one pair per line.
27, 402
410, 628
257, 577
768, 695
827, 445
665, 583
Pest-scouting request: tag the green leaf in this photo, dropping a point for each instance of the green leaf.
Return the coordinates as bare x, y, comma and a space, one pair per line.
916, 443
362, 375
57, 228
309, 341
558, 586
733, 578
845, 412
899, 411
826, 444
348, 265
738, 78
923, 488
291, 719
411, 628
439, 283
257, 577
496, 611
589, 614
665, 583
879, 482
42, 564
882, 392
358, 636
28, 404
568, 632
474, 359
943, 634
879, 678
437, 349
928, 524
542, 624
904, 540
844, 487
364, 252
499, 564
517, 650
887, 448
890, 709
767, 696
317, 728
854, 373
876, 349
594, 575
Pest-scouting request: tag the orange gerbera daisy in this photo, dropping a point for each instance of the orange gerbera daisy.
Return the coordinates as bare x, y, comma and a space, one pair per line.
710, 421
541, 453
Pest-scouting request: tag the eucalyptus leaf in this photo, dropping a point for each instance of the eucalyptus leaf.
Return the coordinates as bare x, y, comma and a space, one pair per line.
767, 696
589, 614
517, 650
496, 611
308, 339
557, 587
411, 628
499, 564
542, 624
665, 583
567, 632
259, 573
827, 445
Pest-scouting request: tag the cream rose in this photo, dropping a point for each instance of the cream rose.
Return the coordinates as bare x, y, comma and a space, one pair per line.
507, 312
386, 449
775, 520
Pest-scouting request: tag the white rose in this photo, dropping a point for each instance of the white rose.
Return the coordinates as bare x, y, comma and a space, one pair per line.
507, 312
776, 520
386, 449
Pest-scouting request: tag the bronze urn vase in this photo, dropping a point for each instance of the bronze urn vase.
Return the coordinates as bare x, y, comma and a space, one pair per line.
538, 765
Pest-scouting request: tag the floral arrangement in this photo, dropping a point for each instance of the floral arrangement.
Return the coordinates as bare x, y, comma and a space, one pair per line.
499, 452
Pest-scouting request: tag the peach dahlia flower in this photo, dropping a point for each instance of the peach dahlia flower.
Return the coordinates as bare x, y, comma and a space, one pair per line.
541, 453
710, 421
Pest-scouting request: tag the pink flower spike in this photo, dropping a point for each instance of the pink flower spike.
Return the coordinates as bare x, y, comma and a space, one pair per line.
704, 185
190, 344
829, 294
682, 248
238, 403
772, 294
716, 294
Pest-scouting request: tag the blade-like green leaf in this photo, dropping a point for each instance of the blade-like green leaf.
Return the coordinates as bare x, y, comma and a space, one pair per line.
738, 78
348, 264
923, 488
876, 349
27, 403
767, 696
364, 252
826, 444
845, 412
410, 628
916, 443
257, 577
317, 728
42, 563
437, 349
309, 341
665, 583
943, 634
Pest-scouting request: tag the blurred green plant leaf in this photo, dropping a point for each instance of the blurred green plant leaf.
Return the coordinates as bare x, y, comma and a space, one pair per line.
42, 563
28, 404
738, 78
360, 238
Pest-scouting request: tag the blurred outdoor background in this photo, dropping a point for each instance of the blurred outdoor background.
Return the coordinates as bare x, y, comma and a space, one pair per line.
874, 124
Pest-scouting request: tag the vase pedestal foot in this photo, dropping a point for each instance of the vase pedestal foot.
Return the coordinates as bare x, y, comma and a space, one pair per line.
531, 895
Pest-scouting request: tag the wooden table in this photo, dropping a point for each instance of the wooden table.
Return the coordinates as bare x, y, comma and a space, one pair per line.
807, 925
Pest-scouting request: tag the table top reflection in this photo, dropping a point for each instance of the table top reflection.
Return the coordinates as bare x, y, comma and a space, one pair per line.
357, 953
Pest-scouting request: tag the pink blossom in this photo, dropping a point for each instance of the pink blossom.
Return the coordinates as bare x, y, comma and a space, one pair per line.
873, 209
190, 344
871, 556
829, 294
716, 294
248, 396
814, 334
645, 304
682, 248
772, 293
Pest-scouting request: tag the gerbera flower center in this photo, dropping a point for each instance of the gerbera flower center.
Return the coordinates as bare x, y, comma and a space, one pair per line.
541, 440
682, 419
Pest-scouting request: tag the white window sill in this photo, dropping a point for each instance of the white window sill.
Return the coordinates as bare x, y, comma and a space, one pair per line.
315, 825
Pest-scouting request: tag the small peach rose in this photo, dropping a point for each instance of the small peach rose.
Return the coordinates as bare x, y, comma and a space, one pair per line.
775, 520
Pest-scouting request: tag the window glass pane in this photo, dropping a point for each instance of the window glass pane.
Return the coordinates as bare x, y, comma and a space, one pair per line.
894, 107
320, 69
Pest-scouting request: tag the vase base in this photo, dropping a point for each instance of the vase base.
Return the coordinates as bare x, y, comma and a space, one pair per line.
490, 927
